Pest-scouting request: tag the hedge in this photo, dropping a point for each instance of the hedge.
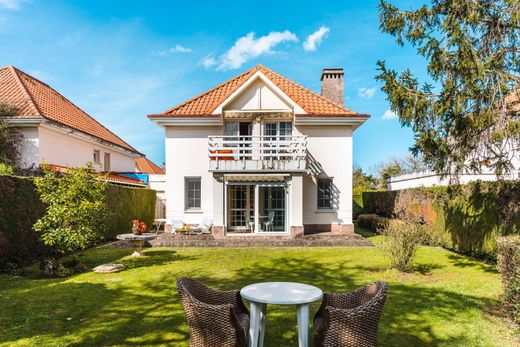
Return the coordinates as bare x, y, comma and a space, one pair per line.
20, 208
126, 204
509, 266
466, 218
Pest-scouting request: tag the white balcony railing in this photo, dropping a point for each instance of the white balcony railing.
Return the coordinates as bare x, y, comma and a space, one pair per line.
257, 153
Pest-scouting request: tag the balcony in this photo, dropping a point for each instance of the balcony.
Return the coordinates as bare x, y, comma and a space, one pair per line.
257, 153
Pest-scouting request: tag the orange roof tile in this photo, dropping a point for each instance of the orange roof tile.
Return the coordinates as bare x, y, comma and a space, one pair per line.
312, 103
110, 176
34, 98
144, 165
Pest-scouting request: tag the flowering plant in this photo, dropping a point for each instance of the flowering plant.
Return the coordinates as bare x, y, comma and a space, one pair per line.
138, 227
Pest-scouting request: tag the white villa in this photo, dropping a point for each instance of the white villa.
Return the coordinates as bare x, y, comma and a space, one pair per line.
262, 155
60, 134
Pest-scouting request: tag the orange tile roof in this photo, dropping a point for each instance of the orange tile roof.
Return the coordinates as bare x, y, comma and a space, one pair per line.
312, 103
110, 176
34, 98
144, 165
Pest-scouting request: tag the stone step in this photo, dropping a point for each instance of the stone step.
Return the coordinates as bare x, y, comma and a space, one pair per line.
343, 240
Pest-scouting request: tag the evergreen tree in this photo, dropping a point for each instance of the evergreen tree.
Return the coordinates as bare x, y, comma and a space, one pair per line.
462, 118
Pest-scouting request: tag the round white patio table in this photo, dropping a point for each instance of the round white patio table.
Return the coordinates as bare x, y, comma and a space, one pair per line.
279, 293
137, 241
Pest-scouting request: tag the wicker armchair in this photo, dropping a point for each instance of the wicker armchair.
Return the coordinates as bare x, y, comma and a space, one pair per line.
350, 319
215, 318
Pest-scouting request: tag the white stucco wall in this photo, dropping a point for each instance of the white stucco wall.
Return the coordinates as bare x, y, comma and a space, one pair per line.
158, 183
430, 179
59, 148
331, 147
186, 150
29, 149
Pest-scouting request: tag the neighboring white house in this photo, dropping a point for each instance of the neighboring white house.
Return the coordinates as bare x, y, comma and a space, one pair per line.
430, 179
57, 132
262, 155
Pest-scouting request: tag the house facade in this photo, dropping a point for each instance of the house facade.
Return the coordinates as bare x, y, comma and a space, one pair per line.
262, 155
57, 132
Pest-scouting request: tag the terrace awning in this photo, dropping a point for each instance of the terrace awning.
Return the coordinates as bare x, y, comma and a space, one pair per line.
256, 177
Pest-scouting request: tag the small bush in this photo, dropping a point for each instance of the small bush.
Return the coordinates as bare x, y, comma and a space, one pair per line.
372, 222
76, 209
509, 266
400, 244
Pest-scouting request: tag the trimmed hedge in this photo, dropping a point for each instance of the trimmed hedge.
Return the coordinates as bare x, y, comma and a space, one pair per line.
21, 207
466, 218
373, 222
509, 266
126, 204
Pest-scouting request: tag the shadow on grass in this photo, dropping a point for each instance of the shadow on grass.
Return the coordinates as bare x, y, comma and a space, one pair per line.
87, 314
148, 312
412, 316
464, 262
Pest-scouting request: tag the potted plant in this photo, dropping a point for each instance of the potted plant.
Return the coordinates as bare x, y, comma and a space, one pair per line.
138, 227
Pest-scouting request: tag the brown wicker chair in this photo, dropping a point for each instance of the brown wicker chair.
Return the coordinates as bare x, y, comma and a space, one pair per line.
350, 319
215, 318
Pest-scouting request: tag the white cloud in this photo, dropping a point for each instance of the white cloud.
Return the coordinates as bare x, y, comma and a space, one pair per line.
313, 40
389, 114
367, 93
248, 47
13, 5
209, 61
172, 50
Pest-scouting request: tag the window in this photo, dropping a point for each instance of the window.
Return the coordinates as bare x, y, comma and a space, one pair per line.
97, 157
325, 194
192, 193
106, 162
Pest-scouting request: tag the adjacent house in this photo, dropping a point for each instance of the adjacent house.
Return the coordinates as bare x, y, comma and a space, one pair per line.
57, 132
262, 155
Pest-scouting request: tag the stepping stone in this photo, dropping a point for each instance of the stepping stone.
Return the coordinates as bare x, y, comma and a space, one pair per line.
108, 268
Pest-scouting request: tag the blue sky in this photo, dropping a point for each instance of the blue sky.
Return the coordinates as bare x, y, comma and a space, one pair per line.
122, 60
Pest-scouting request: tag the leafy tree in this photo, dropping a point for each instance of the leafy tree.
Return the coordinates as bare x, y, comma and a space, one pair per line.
9, 137
76, 209
462, 117
361, 181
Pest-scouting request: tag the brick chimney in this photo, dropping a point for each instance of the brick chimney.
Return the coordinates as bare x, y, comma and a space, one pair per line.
333, 85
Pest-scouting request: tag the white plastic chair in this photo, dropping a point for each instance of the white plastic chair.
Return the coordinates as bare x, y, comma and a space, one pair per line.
269, 223
203, 227
176, 224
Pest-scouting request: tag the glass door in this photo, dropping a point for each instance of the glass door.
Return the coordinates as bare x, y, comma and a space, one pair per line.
241, 208
273, 208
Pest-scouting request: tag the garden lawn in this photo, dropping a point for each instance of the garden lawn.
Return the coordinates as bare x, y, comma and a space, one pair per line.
448, 301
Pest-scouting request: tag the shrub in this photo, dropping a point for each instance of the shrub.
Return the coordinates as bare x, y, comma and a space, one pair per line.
400, 244
20, 208
372, 222
466, 218
509, 266
76, 210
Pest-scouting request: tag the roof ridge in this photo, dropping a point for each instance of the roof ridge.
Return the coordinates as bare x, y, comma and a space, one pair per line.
210, 90
15, 72
70, 102
336, 104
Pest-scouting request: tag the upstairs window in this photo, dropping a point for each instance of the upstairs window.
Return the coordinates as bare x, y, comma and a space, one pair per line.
325, 194
192, 193
106, 162
97, 157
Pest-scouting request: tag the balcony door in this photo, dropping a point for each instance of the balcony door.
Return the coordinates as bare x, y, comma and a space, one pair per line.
241, 132
274, 133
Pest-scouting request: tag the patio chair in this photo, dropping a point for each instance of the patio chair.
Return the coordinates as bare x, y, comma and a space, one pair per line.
215, 318
204, 227
350, 319
269, 223
176, 224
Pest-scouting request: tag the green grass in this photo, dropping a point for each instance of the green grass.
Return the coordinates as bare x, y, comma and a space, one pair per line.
449, 300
